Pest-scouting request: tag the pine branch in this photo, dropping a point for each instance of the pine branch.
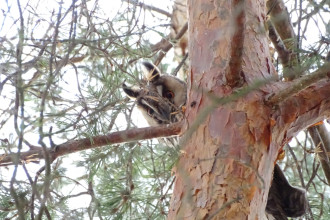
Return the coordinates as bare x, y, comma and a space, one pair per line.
165, 48
300, 84
283, 53
149, 7
321, 139
281, 21
300, 109
36, 153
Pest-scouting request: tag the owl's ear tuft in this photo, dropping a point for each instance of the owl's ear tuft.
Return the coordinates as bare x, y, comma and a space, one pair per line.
151, 72
132, 92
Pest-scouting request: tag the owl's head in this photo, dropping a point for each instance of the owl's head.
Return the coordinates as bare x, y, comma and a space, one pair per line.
160, 98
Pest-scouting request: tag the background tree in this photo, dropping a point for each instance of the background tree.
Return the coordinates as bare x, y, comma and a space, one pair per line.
62, 65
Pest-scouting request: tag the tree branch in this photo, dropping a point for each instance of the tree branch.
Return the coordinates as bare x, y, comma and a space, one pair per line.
283, 53
277, 9
280, 18
300, 84
321, 139
149, 7
136, 134
301, 110
282, 22
165, 48
317, 7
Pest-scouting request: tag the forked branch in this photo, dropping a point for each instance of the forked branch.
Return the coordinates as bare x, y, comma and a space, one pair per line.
300, 84
301, 110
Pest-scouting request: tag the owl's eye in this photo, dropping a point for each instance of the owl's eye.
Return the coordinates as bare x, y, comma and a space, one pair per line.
169, 95
150, 112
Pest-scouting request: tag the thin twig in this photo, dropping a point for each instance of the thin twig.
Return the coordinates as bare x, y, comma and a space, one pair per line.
149, 7
177, 69
169, 45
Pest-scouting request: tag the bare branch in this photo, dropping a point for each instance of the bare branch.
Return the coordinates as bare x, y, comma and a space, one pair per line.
169, 45
149, 7
19, 112
317, 7
283, 53
281, 21
280, 18
136, 134
321, 139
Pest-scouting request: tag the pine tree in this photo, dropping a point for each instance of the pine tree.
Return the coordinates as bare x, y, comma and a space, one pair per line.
70, 143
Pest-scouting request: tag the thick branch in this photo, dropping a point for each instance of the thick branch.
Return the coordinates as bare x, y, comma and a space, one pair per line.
283, 53
136, 134
290, 60
300, 84
280, 18
282, 22
301, 110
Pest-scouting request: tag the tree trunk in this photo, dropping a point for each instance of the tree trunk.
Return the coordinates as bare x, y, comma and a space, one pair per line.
225, 170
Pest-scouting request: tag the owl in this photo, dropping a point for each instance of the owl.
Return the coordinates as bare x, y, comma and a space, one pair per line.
161, 99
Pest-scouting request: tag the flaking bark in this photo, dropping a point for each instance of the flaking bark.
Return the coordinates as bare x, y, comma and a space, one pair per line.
226, 168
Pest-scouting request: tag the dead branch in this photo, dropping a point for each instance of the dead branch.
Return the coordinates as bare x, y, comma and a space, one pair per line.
149, 7
317, 7
136, 134
166, 47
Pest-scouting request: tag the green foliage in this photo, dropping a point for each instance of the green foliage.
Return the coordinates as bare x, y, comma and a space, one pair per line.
302, 167
67, 83
135, 184
61, 81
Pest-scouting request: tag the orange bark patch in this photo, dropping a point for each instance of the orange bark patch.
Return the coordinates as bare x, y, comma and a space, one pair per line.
281, 155
317, 123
